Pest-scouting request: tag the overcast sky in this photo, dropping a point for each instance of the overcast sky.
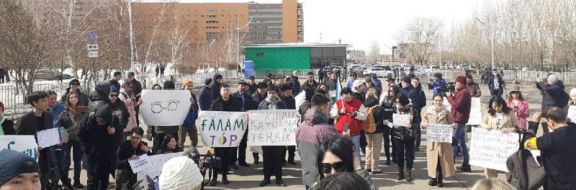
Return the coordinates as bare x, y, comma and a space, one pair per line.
359, 22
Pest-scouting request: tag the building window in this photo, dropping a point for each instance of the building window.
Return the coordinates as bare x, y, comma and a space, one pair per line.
260, 54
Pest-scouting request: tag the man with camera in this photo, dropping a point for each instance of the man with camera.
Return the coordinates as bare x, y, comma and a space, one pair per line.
461, 104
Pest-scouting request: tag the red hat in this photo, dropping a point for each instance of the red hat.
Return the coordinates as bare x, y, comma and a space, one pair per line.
461, 79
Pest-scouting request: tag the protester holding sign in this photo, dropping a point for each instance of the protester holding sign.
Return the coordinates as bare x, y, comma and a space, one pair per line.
404, 138
36, 120
161, 131
389, 105
439, 154
517, 103
129, 150
257, 97
557, 149
7, 126
461, 103
373, 128
499, 117
246, 99
225, 102
272, 154
287, 97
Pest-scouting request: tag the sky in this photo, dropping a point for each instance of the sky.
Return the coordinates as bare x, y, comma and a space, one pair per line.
361, 22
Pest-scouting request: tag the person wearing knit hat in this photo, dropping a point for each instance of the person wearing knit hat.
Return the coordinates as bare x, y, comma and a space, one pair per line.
461, 102
189, 126
180, 173
19, 171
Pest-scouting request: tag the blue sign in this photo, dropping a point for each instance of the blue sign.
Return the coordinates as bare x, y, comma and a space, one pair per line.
92, 36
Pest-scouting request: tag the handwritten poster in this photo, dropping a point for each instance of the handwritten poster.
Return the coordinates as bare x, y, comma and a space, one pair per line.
139, 164
491, 149
475, 112
48, 137
439, 133
165, 107
222, 129
402, 119
572, 113
21, 143
272, 127
154, 169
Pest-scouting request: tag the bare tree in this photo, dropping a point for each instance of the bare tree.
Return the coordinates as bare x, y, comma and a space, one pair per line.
374, 53
419, 39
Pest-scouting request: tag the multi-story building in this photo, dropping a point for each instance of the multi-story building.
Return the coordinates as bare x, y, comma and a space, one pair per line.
253, 22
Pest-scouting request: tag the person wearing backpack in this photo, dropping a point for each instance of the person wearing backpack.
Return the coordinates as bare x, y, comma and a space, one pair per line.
373, 129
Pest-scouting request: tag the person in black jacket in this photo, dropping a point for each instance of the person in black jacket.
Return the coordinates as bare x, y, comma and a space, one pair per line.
225, 102
272, 154
36, 120
206, 95
129, 150
119, 110
288, 98
74, 86
294, 81
115, 81
169, 145
137, 90
252, 85
557, 150
7, 125
553, 95
246, 101
310, 82
418, 99
389, 107
99, 139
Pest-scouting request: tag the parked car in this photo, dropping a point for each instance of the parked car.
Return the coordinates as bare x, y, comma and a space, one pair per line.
380, 71
47, 74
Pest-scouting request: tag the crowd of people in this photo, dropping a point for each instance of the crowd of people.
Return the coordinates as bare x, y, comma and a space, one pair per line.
342, 132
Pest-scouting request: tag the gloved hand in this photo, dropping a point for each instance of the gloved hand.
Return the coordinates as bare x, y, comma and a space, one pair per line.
531, 144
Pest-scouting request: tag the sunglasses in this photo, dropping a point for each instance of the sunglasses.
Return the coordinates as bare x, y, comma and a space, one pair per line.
78, 84
113, 95
338, 167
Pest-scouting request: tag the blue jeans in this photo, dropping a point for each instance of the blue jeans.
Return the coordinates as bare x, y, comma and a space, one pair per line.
74, 146
356, 140
460, 136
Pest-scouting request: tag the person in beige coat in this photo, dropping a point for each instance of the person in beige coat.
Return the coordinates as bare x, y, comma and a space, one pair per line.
499, 117
439, 155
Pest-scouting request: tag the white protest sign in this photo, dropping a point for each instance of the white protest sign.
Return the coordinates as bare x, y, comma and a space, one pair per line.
222, 129
402, 119
139, 164
165, 107
48, 137
475, 112
272, 127
300, 98
20, 143
439, 133
447, 104
491, 149
154, 168
572, 113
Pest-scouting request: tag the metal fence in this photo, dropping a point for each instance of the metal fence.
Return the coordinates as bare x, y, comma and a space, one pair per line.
14, 98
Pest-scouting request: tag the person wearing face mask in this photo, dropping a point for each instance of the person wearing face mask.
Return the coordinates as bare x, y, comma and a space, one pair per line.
272, 154
500, 117
439, 155
349, 114
225, 102
311, 133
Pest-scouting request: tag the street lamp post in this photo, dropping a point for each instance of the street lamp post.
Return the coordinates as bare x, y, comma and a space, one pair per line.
491, 39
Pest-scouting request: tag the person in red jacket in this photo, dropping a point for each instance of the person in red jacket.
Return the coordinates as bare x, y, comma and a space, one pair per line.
461, 102
348, 113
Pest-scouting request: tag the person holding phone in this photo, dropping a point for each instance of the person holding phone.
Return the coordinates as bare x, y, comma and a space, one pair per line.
348, 113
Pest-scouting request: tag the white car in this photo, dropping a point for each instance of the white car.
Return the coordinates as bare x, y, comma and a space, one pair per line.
380, 71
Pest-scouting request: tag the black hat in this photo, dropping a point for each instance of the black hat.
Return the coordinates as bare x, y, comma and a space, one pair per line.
439, 75
74, 82
285, 87
407, 79
390, 79
262, 85
14, 163
242, 82
252, 77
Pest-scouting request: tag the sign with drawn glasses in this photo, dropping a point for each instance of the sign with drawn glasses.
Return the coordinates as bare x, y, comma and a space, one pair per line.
165, 107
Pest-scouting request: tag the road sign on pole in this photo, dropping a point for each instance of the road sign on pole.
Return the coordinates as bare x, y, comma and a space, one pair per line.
92, 36
92, 50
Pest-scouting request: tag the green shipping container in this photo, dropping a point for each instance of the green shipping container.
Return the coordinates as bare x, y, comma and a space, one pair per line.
290, 58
